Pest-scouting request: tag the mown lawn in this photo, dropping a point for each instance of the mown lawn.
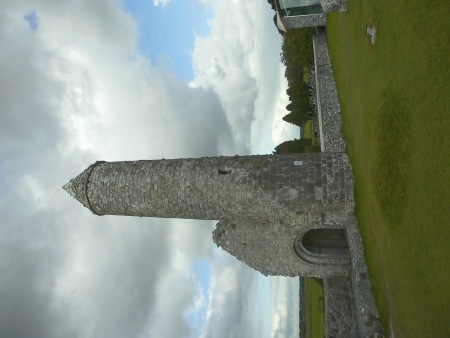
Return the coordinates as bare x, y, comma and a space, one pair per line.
314, 307
395, 99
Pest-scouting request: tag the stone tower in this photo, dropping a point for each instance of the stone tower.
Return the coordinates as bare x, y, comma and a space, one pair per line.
288, 215
280, 214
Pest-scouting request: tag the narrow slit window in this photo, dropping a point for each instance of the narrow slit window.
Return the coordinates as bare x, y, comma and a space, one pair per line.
224, 171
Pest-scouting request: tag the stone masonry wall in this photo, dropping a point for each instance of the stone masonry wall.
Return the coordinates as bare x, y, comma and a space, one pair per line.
240, 188
329, 109
264, 202
269, 248
340, 311
357, 285
330, 6
315, 20
301, 21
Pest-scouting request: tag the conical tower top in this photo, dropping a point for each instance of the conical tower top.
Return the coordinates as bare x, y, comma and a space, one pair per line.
77, 187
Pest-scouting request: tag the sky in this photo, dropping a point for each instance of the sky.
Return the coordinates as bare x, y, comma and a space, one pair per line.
85, 80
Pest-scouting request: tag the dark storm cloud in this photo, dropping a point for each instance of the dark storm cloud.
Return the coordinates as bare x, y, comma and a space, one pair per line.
25, 293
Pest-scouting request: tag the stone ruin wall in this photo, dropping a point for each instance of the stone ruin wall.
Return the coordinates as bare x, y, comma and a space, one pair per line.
351, 295
267, 243
340, 310
315, 20
349, 305
330, 6
301, 21
328, 107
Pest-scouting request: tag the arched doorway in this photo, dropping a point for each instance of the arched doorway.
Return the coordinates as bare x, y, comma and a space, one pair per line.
324, 246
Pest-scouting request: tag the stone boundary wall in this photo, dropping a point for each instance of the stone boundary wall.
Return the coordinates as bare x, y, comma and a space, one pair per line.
330, 6
301, 21
339, 308
328, 107
364, 322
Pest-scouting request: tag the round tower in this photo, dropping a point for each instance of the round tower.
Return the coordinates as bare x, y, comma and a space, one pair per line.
246, 188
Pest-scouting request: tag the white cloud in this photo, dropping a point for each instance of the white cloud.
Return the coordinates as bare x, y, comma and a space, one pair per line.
75, 89
231, 298
240, 62
72, 91
282, 131
162, 3
284, 307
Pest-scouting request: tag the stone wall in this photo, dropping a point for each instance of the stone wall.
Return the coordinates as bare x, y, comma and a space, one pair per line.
328, 107
301, 21
340, 314
315, 20
265, 203
330, 6
355, 288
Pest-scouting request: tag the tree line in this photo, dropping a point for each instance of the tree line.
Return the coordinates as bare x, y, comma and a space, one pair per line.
298, 57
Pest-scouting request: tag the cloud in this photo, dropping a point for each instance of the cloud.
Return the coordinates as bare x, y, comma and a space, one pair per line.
76, 89
162, 3
237, 61
26, 298
231, 298
284, 307
235, 311
71, 92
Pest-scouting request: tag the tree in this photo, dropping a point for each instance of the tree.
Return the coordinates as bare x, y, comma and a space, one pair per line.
313, 148
272, 4
293, 146
290, 107
296, 118
296, 52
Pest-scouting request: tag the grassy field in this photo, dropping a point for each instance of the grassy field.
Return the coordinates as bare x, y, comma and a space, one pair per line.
308, 131
395, 99
314, 308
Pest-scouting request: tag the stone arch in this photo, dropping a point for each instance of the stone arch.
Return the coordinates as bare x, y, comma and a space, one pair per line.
323, 246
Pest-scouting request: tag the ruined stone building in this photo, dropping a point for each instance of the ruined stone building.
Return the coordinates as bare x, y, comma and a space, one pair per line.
281, 215
288, 215
292, 14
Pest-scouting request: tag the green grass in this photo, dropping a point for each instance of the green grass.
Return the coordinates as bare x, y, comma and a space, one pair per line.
314, 308
306, 77
308, 131
395, 100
